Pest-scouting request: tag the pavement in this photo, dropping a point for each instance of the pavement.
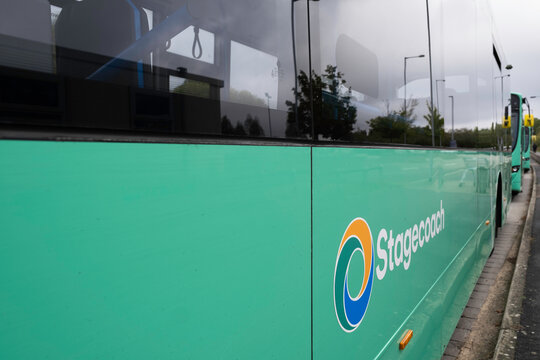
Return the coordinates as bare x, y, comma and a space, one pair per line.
491, 320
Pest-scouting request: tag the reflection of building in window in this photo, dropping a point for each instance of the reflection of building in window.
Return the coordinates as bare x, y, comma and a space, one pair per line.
253, 72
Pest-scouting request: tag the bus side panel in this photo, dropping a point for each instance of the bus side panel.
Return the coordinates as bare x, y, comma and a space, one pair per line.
505, 168
487, 195
393, 190
153, 251
507, 180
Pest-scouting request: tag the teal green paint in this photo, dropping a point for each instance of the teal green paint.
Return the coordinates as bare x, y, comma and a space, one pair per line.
395, 189
145, 251
197, 251
505, 166
527, 149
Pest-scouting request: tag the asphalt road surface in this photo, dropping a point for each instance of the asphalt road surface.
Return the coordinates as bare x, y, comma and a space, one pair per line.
528, 341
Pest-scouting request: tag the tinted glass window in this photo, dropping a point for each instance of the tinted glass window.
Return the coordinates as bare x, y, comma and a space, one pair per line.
526, 139
500, 100
371, 78
515, 118
242, 68
170, 66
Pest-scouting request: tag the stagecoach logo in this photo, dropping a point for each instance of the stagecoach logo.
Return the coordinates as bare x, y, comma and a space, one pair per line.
395, 251
351, 310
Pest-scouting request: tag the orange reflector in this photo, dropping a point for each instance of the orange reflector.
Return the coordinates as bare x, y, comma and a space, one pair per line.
488, 222
405, 339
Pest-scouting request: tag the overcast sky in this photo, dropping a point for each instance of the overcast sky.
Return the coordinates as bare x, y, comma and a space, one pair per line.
518, 28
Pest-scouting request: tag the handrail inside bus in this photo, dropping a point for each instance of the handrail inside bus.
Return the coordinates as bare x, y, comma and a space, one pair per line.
166, 30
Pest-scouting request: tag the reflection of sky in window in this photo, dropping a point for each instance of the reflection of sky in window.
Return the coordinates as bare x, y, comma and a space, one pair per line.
182, 44
355, 95
252, 70
415, 89
175, 82
150, 18
458, 83
55, 11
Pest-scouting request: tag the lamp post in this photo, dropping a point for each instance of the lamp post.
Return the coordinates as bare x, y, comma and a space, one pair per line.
405, 79
508, 67
533, 129
437, 89
453, 143
433, 112
293, 34
534, 97
269, 120
502, 86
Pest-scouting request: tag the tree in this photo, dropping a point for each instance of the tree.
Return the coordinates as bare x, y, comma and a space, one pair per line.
253, 127
193, 88
239, 130
434, 114
226, 126
245, 97
333, 114
394, 125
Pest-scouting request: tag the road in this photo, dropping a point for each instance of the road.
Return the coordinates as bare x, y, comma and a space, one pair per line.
528, 341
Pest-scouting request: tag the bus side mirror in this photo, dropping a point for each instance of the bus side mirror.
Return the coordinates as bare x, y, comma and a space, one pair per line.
529, 120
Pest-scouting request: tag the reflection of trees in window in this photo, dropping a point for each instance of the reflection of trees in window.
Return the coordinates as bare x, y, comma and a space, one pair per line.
439, 122
239, 130
193, 88
245, 97
226, 126
251, 127
398, 125
395, 125
333, 113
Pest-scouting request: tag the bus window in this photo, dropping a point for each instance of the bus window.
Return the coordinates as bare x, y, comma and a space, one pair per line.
368, 89
209, 65
516, 119
194, 43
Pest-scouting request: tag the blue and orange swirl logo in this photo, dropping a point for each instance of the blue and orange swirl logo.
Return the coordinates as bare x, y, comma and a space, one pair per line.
351, 310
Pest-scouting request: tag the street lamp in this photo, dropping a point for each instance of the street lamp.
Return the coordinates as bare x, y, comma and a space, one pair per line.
433, 117
269, 120
405, 80
502, 86
437, 89
453, 143
533, 129
534, 96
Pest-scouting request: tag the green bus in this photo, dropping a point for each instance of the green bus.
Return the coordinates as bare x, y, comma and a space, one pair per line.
526, 148
239, 179
527, 136
518, 141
